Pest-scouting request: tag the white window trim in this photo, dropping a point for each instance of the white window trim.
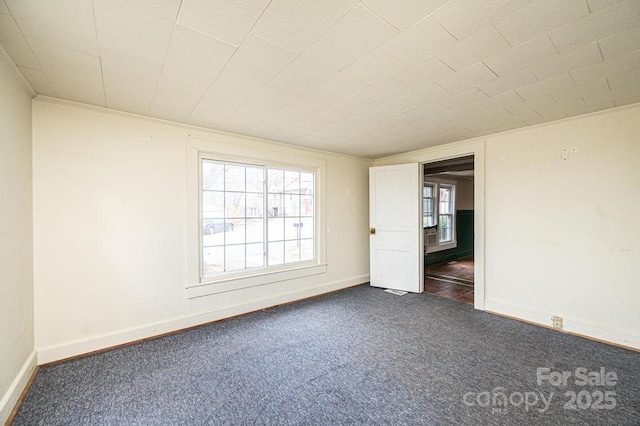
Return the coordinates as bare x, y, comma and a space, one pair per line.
454, 237
197, 287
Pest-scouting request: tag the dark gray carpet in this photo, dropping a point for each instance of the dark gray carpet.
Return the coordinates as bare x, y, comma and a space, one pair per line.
359, 356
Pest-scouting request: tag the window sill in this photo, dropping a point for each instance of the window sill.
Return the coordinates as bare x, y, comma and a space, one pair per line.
442, 247
265, 277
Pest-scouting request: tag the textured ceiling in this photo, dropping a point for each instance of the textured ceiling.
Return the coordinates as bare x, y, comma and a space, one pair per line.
369, 78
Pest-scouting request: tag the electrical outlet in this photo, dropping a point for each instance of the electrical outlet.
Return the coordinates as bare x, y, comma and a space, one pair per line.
557, 322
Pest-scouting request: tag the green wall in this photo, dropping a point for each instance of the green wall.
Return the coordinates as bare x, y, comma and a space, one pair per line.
464, 232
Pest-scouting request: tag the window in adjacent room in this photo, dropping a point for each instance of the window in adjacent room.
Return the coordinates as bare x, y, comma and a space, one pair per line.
446, 213
438, 214
428, 211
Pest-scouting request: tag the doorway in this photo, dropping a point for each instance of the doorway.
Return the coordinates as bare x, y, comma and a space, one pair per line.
448, 225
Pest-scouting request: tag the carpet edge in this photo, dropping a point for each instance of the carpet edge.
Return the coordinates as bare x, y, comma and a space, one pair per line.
571, 325
12, 395
62, 351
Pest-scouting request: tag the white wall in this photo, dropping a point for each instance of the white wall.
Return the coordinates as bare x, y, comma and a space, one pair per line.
110, 229
562, 236
464, 193
464, 190
17, 356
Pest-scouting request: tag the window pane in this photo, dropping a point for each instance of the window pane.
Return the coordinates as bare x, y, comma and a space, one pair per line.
292, 182
306, 250
275, 180
306, 183
235, 204
234, 258
445, 198
275, 205
306, 205
255, 180
234, 231
291, 227
291, 251
255, 255
212, 175
255, 230
254, 205
213, 204
445, 228
212, 260
213, 231
276, 229
307, 227
276, 253
234, 178
292, 205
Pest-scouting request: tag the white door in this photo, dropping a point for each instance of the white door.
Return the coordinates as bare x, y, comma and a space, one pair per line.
394, 219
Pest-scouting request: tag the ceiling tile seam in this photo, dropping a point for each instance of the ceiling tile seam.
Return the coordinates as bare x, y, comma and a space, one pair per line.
548, 33
493, 24
572, 79
494, 73
450, 93
242, 41
272, 78
95, 28
439, 24
589, 7
271, 42
555, 46
254, 7
320, 15
382, 19
482, 91
331, 105
225, 66
207, 35
32, 53
509, 112
164, 59
13, 68
600, 50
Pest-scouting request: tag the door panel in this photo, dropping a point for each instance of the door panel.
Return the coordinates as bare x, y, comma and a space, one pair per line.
394, 213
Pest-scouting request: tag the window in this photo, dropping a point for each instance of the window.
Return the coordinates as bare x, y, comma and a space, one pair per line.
439, 213
255, 217
445, 213
428, 211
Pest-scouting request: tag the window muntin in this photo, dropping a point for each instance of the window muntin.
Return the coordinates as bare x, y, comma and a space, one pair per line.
255, 217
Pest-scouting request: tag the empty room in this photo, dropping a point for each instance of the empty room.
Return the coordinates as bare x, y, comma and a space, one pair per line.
319, 212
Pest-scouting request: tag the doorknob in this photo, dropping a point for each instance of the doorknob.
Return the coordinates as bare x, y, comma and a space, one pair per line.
372, 231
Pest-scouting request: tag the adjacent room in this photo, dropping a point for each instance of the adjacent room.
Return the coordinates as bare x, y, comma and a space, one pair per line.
319, 212
447, 212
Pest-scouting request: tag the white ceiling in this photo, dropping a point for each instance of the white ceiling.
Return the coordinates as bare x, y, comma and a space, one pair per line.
369, 77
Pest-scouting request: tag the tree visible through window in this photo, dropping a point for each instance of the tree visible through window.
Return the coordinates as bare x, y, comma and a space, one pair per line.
255, 217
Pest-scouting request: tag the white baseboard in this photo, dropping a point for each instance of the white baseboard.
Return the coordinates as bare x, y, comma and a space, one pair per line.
12, 395
570, 325
95, 343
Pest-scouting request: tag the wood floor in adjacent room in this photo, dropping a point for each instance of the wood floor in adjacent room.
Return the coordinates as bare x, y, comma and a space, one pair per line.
452, 280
